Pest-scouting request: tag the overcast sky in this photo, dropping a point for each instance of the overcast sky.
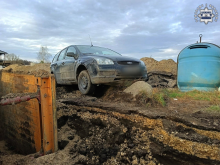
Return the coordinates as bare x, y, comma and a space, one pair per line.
137, 28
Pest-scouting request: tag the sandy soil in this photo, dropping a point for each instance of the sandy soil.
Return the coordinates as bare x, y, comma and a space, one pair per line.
162, 66
39, 70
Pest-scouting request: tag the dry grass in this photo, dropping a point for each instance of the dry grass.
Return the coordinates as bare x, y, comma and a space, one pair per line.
158, 98
213, 108
162, 96
213, 97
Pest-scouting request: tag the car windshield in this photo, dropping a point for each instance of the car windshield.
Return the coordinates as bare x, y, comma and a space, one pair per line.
84, 49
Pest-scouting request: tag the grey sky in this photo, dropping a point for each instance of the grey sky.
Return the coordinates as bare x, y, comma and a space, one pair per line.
138, 28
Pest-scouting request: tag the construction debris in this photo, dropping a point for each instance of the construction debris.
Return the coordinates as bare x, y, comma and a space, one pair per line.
161, 73
162, 79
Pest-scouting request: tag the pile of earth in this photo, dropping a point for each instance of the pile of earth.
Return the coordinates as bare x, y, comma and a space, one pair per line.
153, 65
113, 94
39, 70
161, 73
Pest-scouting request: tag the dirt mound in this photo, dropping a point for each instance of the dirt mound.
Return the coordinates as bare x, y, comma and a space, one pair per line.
116, 94
40, 70
161, 73
160, 66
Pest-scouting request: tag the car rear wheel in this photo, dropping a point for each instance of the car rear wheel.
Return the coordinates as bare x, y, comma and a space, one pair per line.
84, 83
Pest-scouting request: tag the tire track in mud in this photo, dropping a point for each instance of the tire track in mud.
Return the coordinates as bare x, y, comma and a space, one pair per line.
168, 139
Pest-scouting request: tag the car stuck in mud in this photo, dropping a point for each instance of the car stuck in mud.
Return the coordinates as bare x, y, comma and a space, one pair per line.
114, 127
89, 66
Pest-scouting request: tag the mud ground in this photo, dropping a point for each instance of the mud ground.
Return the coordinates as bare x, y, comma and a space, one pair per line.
112, 128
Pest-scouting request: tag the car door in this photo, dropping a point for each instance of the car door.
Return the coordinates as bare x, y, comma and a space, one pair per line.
58, 69
68, 71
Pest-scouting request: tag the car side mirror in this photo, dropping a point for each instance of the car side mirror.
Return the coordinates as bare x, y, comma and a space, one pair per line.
71, 54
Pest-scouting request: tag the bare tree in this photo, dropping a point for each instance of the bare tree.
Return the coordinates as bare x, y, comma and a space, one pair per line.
12, 58
43, 55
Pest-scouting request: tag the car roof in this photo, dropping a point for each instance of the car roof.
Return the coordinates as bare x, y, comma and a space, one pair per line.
88, 45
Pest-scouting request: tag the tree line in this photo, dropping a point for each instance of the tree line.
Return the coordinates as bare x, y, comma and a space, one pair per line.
42, 56
14, 59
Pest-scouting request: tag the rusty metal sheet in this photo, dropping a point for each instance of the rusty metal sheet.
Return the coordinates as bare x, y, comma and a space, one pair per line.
29, 126
20, 123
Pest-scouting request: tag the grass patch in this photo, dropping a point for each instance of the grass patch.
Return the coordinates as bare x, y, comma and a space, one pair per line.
162, 96
213, 108
158, 98
175, 94
213, 97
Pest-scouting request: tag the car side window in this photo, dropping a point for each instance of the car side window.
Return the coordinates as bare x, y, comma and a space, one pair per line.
71, 49
62, 55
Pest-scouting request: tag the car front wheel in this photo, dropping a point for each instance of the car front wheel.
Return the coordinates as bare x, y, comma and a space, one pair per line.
84, 83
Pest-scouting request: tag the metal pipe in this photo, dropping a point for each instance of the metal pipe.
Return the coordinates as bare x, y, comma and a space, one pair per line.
15, 100
12, 101
200, 38
18, 99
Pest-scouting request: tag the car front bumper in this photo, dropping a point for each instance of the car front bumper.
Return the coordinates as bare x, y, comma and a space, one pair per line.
114, 74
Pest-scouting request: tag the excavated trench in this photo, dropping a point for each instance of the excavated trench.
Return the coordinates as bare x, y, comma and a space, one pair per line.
93, 131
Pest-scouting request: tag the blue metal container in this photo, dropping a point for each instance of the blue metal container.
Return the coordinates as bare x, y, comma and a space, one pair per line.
199, 67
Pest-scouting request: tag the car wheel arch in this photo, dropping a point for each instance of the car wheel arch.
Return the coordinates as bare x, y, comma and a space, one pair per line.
79, 69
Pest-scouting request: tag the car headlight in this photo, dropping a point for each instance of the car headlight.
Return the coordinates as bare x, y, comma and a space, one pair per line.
103, 61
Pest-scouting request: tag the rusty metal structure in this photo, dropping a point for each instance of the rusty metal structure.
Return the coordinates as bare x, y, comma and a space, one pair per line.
28, 121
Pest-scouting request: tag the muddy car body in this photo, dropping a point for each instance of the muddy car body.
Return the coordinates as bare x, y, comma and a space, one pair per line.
88, 66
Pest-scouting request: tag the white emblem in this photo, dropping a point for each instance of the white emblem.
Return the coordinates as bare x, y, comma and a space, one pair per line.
129, 62
206, 15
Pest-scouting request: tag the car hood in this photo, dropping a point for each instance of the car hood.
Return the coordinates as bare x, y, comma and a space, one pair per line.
115, 58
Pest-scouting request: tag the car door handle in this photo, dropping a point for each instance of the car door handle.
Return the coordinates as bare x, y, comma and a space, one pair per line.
63, 63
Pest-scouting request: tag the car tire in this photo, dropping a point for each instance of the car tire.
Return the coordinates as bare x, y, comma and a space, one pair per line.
84, 83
